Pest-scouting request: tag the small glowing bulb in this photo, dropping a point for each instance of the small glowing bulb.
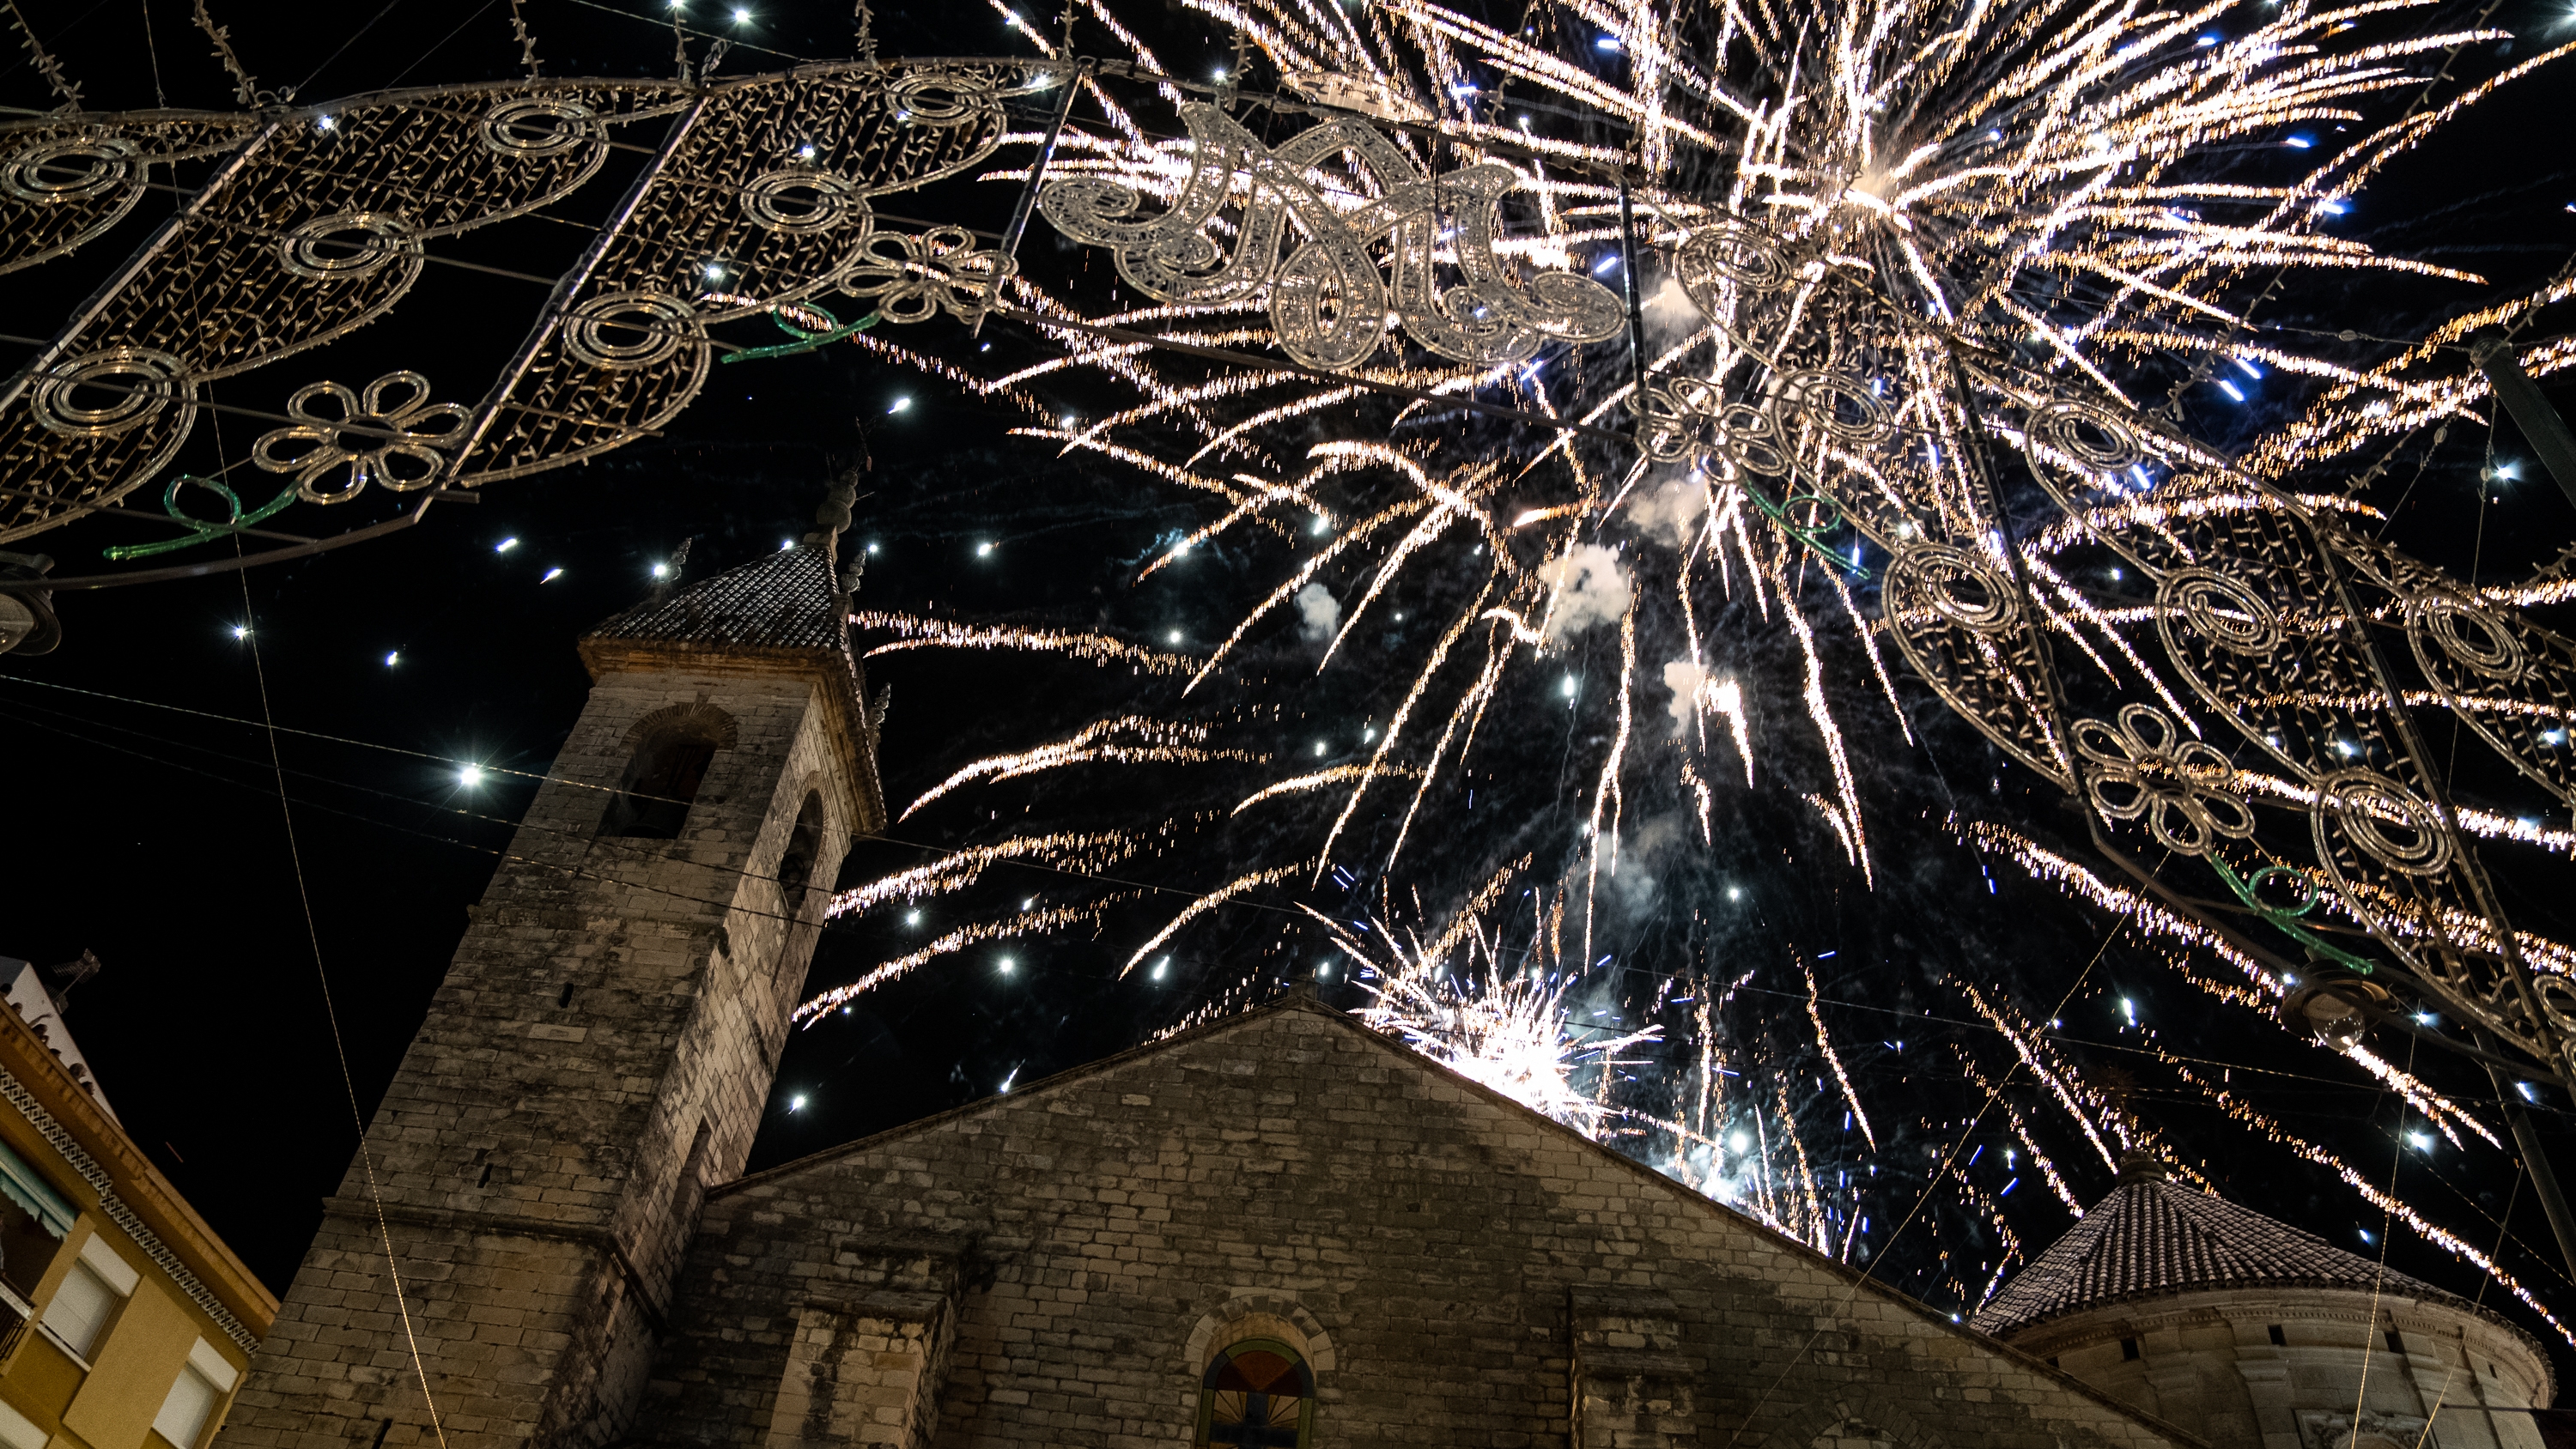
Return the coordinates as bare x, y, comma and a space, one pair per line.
714, 272
392, 658
785, 544
741, 16
2423, 1140
241, 631
1569, 686
805, 152
551, 576
1175, 636
982, 549
661, 571
796, 1103
328, 124
470, 775
900, 404
1006, 965
1739, 1142
1317, 527
1319, 747
505, 545
912, 918
872, 548
1735, 893
1068, 420
1158, 967
1031, 901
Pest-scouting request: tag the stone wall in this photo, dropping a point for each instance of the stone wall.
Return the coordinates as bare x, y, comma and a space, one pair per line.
2287, 1367
600, 1051
1459, 1271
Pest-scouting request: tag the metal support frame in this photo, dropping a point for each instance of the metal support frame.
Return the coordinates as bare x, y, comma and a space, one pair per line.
2526, 1137
1628, 291
567, 287
2541, 425
2526, 1140
1028, 201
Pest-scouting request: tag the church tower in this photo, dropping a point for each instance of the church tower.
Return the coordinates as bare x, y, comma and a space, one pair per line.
604, 1042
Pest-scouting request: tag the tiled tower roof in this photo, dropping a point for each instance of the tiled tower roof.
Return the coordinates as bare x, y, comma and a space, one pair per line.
2151, 1238
783, 612
782, 601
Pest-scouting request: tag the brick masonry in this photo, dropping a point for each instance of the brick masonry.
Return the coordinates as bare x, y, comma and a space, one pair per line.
1056, 1267
600, 1051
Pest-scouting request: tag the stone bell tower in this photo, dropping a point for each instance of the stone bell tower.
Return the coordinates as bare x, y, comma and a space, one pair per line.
604, 1042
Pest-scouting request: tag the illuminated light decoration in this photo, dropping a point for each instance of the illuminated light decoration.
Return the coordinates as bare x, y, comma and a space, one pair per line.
1888, 248
505, 545
1486, 320
469, 776
551, 575
392, 658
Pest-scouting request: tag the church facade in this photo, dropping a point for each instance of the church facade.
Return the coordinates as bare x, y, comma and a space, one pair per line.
1416, 1259
1276, 1231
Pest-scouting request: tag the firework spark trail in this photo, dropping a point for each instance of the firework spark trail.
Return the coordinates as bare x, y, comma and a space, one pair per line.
1156, 742
1240, 885
2021, 1133
2031, 1058
1825, 1041
1078, 852
1316, 781
923, 633
2136, 909
1972, 162
2370, 1192
1036, 922
2436, 1109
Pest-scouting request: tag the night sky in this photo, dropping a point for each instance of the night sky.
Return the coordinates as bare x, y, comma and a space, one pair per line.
143, 799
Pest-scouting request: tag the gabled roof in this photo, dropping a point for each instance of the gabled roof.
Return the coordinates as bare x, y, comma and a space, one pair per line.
2152, 1237
1040, 1097
782, 601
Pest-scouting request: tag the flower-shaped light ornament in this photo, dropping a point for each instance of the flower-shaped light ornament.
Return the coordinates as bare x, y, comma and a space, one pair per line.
912, 278
2145, 767
390, 434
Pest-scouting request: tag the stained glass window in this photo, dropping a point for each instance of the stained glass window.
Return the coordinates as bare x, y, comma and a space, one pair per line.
1259, 1394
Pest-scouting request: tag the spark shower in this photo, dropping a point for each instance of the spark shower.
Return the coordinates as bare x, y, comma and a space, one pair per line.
1698, 373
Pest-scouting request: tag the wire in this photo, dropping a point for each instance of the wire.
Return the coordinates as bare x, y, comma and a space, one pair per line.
344, 45
433, 50
330, 1008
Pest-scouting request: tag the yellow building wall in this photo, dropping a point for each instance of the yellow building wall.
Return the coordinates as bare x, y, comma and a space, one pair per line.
137, 1359
143, 1352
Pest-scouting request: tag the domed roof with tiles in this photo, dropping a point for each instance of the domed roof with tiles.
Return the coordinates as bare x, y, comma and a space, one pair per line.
2153, 1238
